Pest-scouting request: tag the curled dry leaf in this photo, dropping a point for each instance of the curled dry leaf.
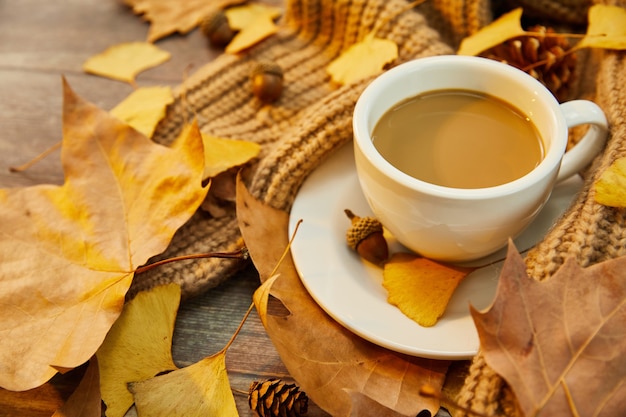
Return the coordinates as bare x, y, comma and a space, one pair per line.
144, 108
124, 61
332, 365
69, 255
138, 346
560, 343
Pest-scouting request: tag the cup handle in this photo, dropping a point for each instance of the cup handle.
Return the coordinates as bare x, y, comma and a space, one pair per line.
579, 112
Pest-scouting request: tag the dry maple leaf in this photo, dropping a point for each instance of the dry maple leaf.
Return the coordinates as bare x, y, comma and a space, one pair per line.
144, 108
138, 346
124, 61
560, 343
198, 390
68, 253
85, 400
421, 288
334, 366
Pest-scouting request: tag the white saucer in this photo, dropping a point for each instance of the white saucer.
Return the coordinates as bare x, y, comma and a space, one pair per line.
350, 290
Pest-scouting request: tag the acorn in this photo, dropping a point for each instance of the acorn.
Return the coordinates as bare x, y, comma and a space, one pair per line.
365, 236
216, 28
267, 81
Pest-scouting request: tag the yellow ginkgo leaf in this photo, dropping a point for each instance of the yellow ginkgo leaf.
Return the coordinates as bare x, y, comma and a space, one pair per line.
240, 17
124, 61
199, 390
610, 188
254, 22
502, 29
222, 154
363, 59
606, 28
138, 346
419, 287
144, 108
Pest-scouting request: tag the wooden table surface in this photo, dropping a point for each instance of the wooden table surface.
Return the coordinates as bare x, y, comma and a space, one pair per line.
41, 41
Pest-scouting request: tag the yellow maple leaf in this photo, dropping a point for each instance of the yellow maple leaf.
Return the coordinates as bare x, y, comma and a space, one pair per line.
124, 61
606, 28
363, 59
198, 390
254, 22
506, 27
69, 252
419, 287
610, 188
144, 108
138, 346
222, 154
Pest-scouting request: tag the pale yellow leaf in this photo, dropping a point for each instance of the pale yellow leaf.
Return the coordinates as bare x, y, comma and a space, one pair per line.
606, 28
199, 390
363, 59
222, 154
240, 17
502, 29
419, 287
138, 345
144, 108
610, 188
124, 61
252, 34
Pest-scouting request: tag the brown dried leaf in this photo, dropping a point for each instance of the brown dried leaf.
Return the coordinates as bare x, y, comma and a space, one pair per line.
85, 400
339, 371
560, 343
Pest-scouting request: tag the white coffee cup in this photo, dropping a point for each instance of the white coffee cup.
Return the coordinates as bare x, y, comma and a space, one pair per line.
454, 224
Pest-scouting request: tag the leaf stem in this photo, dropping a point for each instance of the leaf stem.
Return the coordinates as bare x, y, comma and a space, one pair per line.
238, 254
36, 159
234, 336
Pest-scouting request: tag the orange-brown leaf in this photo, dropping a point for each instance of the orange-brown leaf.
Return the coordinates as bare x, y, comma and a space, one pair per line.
68, 253
85, 400
560, 343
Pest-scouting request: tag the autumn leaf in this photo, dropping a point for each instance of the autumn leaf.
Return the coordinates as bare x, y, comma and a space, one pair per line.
199, 390
362, 59
421, 288
610, 188
85, 400
354, 371
124, 61
68, 253
254, 22
144, 108
606, 28
502, 29
138, 346
559, 343
261, 296
222, 154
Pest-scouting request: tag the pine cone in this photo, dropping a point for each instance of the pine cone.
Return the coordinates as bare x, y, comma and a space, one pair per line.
543, 57
274, 398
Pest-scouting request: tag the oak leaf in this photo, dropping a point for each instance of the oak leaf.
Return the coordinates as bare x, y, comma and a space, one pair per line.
144, 108
362, 59
610, 188
68, 253
506, 27
606, 28
198, 390
560, 343
420, 287
124, 61
138, 346
337, 369
85, 400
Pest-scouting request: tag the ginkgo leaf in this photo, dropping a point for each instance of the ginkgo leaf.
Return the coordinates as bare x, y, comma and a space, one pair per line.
124, 61
363, 59
610, 188
85, 400
502, 29
68, 253
144, 108
254, 22
138, 346
199, 390
559, 343
421, 288
222, 154
606, 28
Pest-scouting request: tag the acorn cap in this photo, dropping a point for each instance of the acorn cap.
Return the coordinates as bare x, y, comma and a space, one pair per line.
361, 228
267, 67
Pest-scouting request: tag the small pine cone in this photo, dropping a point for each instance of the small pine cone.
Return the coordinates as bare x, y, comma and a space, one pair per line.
274, 398
546, 58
